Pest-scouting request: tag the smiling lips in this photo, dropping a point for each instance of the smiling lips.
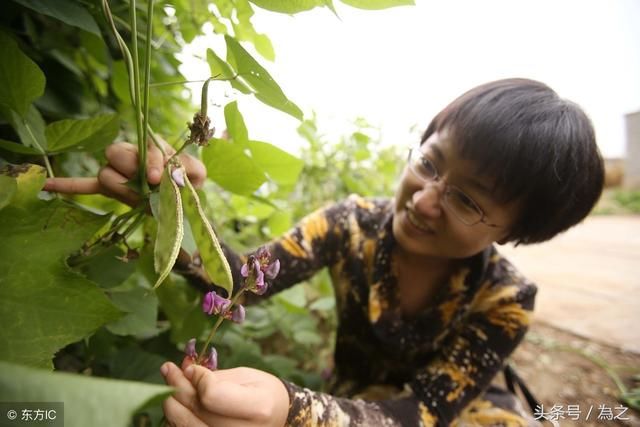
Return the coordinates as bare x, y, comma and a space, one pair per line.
415, 220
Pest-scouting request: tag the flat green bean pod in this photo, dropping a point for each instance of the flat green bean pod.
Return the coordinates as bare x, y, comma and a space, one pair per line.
213, 259
170, 227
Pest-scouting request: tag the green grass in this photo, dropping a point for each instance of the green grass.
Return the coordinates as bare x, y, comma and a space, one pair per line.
618, 201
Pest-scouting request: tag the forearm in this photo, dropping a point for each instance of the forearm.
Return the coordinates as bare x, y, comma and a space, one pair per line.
310, 409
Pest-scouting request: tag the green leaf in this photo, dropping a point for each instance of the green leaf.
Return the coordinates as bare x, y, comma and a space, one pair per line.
47, 305
22, 80
132, 363
8, 188
228, 165
221, 70
15, 147
29, 180
87, 400
90, 135
279, 165
264, 46
213, 260
170, 227
377, 4
141, 308
235, 123
261, 82
288, 6
279, 223
29, 128
106, 270
66, 11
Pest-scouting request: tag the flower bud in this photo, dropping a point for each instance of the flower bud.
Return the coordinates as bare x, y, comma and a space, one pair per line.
178, 176
190, 349
238, 314
212, 360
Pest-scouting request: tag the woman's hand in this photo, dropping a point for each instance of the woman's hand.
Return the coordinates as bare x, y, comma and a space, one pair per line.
122, 166
224, 398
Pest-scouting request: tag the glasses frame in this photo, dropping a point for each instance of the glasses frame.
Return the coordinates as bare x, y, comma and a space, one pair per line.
447, 189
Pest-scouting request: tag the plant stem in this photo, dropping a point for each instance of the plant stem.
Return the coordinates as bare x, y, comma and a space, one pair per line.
147, 78
142, 144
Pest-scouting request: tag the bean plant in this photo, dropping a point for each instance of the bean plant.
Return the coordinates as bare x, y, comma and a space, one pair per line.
87, 288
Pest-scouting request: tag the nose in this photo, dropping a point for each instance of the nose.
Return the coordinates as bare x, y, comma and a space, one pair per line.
428, 201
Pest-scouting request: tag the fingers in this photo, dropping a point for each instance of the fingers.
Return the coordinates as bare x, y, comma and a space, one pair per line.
225, 398
196, 170
155, 162
73, 185
123, 157
113, 184
178, 415
186, 392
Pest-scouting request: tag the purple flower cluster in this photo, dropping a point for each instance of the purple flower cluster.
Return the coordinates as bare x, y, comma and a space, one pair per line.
258, 268
216, 304
256, 272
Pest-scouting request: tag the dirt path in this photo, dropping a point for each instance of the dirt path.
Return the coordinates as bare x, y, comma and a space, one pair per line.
589, 279
564, 369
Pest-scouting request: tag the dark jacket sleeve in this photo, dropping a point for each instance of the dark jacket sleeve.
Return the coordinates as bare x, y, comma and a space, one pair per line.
308, 247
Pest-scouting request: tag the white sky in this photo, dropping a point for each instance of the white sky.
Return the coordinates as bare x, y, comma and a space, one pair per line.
398, 67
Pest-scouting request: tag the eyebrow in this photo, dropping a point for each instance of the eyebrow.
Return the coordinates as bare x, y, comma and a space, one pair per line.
478, 185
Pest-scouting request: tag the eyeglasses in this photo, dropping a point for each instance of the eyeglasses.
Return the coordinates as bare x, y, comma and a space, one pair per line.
461, 205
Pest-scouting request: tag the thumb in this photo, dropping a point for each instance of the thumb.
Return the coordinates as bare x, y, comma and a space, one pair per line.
198, 375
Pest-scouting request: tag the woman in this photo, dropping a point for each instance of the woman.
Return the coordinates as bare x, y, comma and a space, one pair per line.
428, 309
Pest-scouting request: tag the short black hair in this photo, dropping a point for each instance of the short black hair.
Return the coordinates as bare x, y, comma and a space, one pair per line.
540, 149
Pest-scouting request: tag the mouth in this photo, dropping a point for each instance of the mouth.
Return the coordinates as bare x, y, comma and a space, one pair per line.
415, 220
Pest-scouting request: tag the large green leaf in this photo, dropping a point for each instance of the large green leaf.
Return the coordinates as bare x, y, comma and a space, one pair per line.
90, 135
88, 401
21, 79
377, 4
288, 6
30, 128
229, 166
141, 308
279, 165
213, 259
260, 81
8, 188
44, 306
66, 11
221, 70
235, 124
17, 148
170, 227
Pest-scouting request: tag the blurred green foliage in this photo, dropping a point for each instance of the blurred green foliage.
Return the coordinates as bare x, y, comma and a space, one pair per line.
64, 97
618, 201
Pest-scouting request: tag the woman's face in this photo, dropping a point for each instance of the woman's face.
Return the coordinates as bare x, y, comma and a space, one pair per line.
426, 226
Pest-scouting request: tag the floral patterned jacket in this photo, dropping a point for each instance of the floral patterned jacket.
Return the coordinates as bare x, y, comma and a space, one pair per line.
390, 370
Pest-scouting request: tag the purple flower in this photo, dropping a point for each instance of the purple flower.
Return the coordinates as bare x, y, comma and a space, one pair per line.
257, 269
272, 270
178, 176
215, 304
212, 360
238, 314
190, 349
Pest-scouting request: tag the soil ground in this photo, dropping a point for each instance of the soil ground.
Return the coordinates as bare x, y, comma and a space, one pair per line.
560, 369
